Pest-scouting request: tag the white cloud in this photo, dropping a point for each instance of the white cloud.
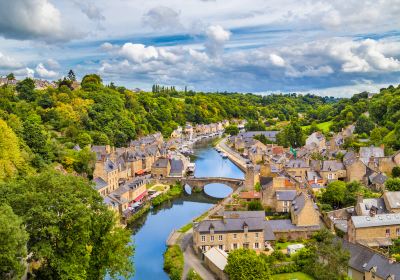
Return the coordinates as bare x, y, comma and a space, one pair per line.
24, 72
138, 52
90, 10
32, 19
162, 18
217, 36
52, 64
277, 60
43, 72
8, 62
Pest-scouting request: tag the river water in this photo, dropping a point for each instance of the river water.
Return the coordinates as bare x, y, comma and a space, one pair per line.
152, 230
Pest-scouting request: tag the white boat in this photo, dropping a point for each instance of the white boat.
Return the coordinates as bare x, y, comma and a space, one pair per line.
224, 155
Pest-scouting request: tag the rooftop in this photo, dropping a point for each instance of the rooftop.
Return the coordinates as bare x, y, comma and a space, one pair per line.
376, 221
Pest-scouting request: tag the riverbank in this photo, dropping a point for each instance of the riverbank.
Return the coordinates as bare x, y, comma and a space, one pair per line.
235, 157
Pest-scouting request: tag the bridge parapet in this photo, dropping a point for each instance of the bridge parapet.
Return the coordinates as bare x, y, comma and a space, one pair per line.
201, 182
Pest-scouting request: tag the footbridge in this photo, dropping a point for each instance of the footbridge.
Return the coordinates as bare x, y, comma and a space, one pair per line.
200, 182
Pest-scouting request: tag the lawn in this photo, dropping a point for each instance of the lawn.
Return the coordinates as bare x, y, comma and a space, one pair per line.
283, 245
292, 276
324, 127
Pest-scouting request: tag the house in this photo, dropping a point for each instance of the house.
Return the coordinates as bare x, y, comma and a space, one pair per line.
304, 212
317, 139
369, 153
250, 196
377, 181
239, 229
355, 167
161, 168
294, 248
108, 171
177, 168
284, 199
392, 201
313, 177
216, 260
367, 264
298, 169
332, 170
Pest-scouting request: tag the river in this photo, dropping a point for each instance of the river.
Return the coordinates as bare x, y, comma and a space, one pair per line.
152, 230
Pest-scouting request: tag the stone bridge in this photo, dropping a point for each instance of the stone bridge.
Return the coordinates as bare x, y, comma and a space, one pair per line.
200, 182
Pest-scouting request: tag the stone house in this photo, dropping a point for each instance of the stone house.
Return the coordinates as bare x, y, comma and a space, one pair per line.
392, 201
377, 181
355, 168
304, 211
284, 199
108, 171
298, 169
161, 168
216, 260
318, 139
250, 196
332, 170
234, 230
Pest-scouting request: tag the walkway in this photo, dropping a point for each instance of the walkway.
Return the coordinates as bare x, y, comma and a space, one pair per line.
234, 156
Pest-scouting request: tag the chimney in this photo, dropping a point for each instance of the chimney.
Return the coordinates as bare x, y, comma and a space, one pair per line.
360, 198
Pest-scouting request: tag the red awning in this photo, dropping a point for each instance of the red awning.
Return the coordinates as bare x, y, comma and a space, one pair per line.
140, 196
140, 172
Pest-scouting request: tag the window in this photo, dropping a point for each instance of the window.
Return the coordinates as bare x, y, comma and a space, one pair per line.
235, 235
235, 246
256, 234
285, 203
246, 245
203, 238
330, 176
203, 248
387, 232
221, 247
256, 245
397, 231
245, 235
212, 238
220, 237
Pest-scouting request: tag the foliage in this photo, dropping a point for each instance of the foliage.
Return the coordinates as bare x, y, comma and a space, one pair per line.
193, 275
145, 208
245, 264
263, 139
173, 262
295, 275
232, 130
72, 234
174, 191
13, 239
254, 206
292, 135
323, 257
26, 89
393, 184
364, 125
396, 171
257, 187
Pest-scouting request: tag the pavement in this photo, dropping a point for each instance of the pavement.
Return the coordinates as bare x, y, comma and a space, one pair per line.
192, 260
233, 155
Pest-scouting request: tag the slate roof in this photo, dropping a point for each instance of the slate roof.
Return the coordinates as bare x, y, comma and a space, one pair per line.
176, 167
379, 178
376, 221
99, 183
218, 257
363, 259
368, 203
297, 163
286, 225
271, 135
161, 163
332, 165
285, 195
311, 175
393, 199
110, 166
367, 152
298, 203
349, 158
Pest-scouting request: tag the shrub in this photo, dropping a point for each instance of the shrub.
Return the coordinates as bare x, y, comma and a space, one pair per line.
192, 275
173, 262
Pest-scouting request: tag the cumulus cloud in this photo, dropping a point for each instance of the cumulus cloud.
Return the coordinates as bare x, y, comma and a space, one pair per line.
24, 72
91, 10
277, 60
138, 52
32, 19
43, 72
162, 18
8, 62
217, 36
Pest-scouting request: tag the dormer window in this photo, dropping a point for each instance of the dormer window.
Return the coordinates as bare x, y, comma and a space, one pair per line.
211, 228
245, 227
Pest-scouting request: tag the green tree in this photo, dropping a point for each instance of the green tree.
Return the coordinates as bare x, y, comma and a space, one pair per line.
335, 194
396, 171
13, 239
72, 234
12, 159
364, 125
393, 184
10, 77
26, 89
71, 76
245, 264
292, 135
232, 130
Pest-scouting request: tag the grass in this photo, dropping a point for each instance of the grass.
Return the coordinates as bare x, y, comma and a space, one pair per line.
292, 276
198, 219
324, 127
173, 192
185, 228
284, 245
159, 188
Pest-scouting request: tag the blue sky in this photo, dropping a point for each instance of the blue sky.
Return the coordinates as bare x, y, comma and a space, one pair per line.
324, 47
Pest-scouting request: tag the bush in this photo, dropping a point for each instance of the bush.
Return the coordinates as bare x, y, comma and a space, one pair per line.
173, 262
285, 268
174, 191
255, 206
192, 275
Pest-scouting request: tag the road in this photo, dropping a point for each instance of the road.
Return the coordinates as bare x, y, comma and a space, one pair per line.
233, 155
192, 260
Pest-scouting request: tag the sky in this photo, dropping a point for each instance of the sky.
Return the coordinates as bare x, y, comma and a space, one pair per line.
334, 48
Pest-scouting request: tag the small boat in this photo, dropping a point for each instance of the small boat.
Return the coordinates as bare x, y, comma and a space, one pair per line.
224, 155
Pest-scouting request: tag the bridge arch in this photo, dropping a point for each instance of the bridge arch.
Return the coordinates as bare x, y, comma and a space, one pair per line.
199, 183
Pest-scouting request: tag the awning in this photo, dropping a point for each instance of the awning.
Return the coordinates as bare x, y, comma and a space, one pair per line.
141, 196
140, 172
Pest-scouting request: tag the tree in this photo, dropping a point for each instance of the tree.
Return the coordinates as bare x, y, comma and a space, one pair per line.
292, 135
12, 159
13, 239
324, 257
232, 130
335, 194
91, 82
26, 89
73, 235
364, 125
71, 76
245, 264
396, 171
10, 77
393, 184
